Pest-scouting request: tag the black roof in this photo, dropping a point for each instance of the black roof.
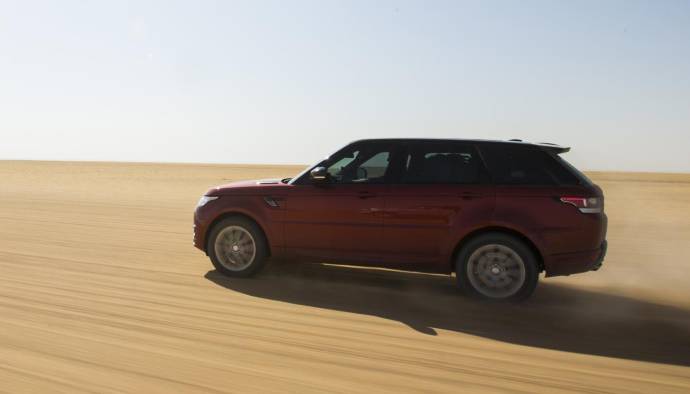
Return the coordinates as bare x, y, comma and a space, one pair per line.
543, 145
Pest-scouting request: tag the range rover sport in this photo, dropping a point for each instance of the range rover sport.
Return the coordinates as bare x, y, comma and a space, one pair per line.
496, 213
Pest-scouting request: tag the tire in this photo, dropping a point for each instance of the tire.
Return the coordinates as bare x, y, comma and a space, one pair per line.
237, 247
498, 267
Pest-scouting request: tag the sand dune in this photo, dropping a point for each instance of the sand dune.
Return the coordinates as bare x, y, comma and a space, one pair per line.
102, 291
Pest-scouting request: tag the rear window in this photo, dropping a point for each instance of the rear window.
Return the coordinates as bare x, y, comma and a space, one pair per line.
579, 174
517, 165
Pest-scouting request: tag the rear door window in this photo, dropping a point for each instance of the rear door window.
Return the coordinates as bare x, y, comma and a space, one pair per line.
518, 165
441, 163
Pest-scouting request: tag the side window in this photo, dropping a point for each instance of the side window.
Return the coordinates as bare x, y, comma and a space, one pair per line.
441, 163
336, 168
514, 165
375, 167
365, 164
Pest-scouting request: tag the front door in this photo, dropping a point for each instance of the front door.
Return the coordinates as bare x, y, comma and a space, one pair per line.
341, 218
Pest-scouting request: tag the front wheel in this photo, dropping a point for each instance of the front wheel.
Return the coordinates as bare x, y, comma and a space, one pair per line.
237, 247
498, 267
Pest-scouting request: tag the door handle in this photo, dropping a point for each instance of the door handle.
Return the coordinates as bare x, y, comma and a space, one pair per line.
364, 195
470, 195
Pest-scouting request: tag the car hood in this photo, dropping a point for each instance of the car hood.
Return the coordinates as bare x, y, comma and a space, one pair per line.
246, 187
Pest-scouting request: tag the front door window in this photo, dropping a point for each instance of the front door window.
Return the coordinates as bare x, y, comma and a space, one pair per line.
360, 165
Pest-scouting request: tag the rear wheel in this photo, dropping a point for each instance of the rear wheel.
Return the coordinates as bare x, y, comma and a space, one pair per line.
237, 247
497, 266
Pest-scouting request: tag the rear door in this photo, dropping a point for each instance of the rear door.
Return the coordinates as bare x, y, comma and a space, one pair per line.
442, 191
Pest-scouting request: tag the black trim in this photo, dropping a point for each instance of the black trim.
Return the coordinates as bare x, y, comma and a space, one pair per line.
475, 143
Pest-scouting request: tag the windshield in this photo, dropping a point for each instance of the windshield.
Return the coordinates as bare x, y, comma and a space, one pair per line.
299, 176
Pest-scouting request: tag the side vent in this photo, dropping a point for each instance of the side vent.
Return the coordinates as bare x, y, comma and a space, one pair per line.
272, 201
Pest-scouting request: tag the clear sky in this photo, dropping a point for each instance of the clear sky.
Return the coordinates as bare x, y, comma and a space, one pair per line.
291, 81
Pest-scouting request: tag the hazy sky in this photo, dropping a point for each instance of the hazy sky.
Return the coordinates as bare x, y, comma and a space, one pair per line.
291, 81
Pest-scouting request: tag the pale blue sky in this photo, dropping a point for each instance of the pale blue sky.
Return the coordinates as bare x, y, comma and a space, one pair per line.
289, 81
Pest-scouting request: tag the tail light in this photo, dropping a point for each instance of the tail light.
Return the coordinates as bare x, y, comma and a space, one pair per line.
585, 204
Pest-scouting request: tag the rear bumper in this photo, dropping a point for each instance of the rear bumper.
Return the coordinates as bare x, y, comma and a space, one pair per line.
602, 254
574, 263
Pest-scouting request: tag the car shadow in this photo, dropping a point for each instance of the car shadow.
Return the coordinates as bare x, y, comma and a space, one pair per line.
556, 317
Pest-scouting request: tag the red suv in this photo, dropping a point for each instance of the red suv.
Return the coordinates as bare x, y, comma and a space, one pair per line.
497, 213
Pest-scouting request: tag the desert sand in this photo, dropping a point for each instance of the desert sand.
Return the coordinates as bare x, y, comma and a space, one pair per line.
102, 291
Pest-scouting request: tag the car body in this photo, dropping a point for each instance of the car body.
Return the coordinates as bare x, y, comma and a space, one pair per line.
413, 204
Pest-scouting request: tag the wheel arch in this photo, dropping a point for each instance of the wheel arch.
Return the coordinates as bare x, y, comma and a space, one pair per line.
497, 229
237, 214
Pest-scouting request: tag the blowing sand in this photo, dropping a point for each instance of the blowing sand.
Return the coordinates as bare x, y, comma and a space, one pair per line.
102, 291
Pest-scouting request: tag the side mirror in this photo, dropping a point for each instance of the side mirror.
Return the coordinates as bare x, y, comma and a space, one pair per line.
318, 175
